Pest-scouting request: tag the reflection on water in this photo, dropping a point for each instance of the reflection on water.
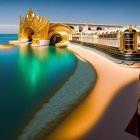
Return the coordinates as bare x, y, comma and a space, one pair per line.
28, 77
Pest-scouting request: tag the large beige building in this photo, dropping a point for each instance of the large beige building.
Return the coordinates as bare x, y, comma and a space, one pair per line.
84, 27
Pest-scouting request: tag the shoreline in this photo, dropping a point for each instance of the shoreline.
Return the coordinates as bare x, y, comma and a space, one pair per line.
45, 101
113, 58
50, 107
111, 79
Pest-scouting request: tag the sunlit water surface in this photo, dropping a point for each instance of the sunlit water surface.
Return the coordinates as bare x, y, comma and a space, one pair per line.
28, 76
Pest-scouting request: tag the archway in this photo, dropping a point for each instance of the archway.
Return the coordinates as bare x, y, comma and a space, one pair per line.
28, 33
89, 28
98, 28
59, 32
80, 28
56, 38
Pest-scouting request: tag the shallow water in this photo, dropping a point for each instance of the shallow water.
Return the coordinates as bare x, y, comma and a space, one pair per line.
28, 76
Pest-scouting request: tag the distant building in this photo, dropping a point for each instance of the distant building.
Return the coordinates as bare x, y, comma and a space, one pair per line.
84, 27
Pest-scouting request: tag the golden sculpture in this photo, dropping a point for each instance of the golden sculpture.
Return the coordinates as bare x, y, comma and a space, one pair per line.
36, 29
62, 30
33, 28
123, 40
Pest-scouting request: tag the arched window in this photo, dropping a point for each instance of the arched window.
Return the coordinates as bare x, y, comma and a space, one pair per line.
89, 28
80, 28
98, 28
71, 27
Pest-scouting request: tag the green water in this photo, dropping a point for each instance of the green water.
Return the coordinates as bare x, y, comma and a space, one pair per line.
28, 76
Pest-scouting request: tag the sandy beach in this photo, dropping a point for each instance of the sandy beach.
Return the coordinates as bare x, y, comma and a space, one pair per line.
6, 46
113, 123
112, 78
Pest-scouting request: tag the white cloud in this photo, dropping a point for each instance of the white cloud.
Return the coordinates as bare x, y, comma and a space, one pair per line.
9, 29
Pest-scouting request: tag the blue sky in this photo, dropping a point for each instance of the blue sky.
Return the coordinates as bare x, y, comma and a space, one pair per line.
122, 12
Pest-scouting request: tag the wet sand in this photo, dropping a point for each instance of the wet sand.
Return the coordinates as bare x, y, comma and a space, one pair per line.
111, 79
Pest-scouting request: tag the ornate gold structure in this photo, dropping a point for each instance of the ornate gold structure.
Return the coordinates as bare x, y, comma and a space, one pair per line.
60, 30
36, 29
124, 40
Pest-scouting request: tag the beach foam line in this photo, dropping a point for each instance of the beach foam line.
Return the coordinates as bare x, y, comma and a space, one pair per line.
62, 103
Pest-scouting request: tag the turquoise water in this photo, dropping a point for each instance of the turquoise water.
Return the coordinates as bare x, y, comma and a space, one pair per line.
28, 76
4, 38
